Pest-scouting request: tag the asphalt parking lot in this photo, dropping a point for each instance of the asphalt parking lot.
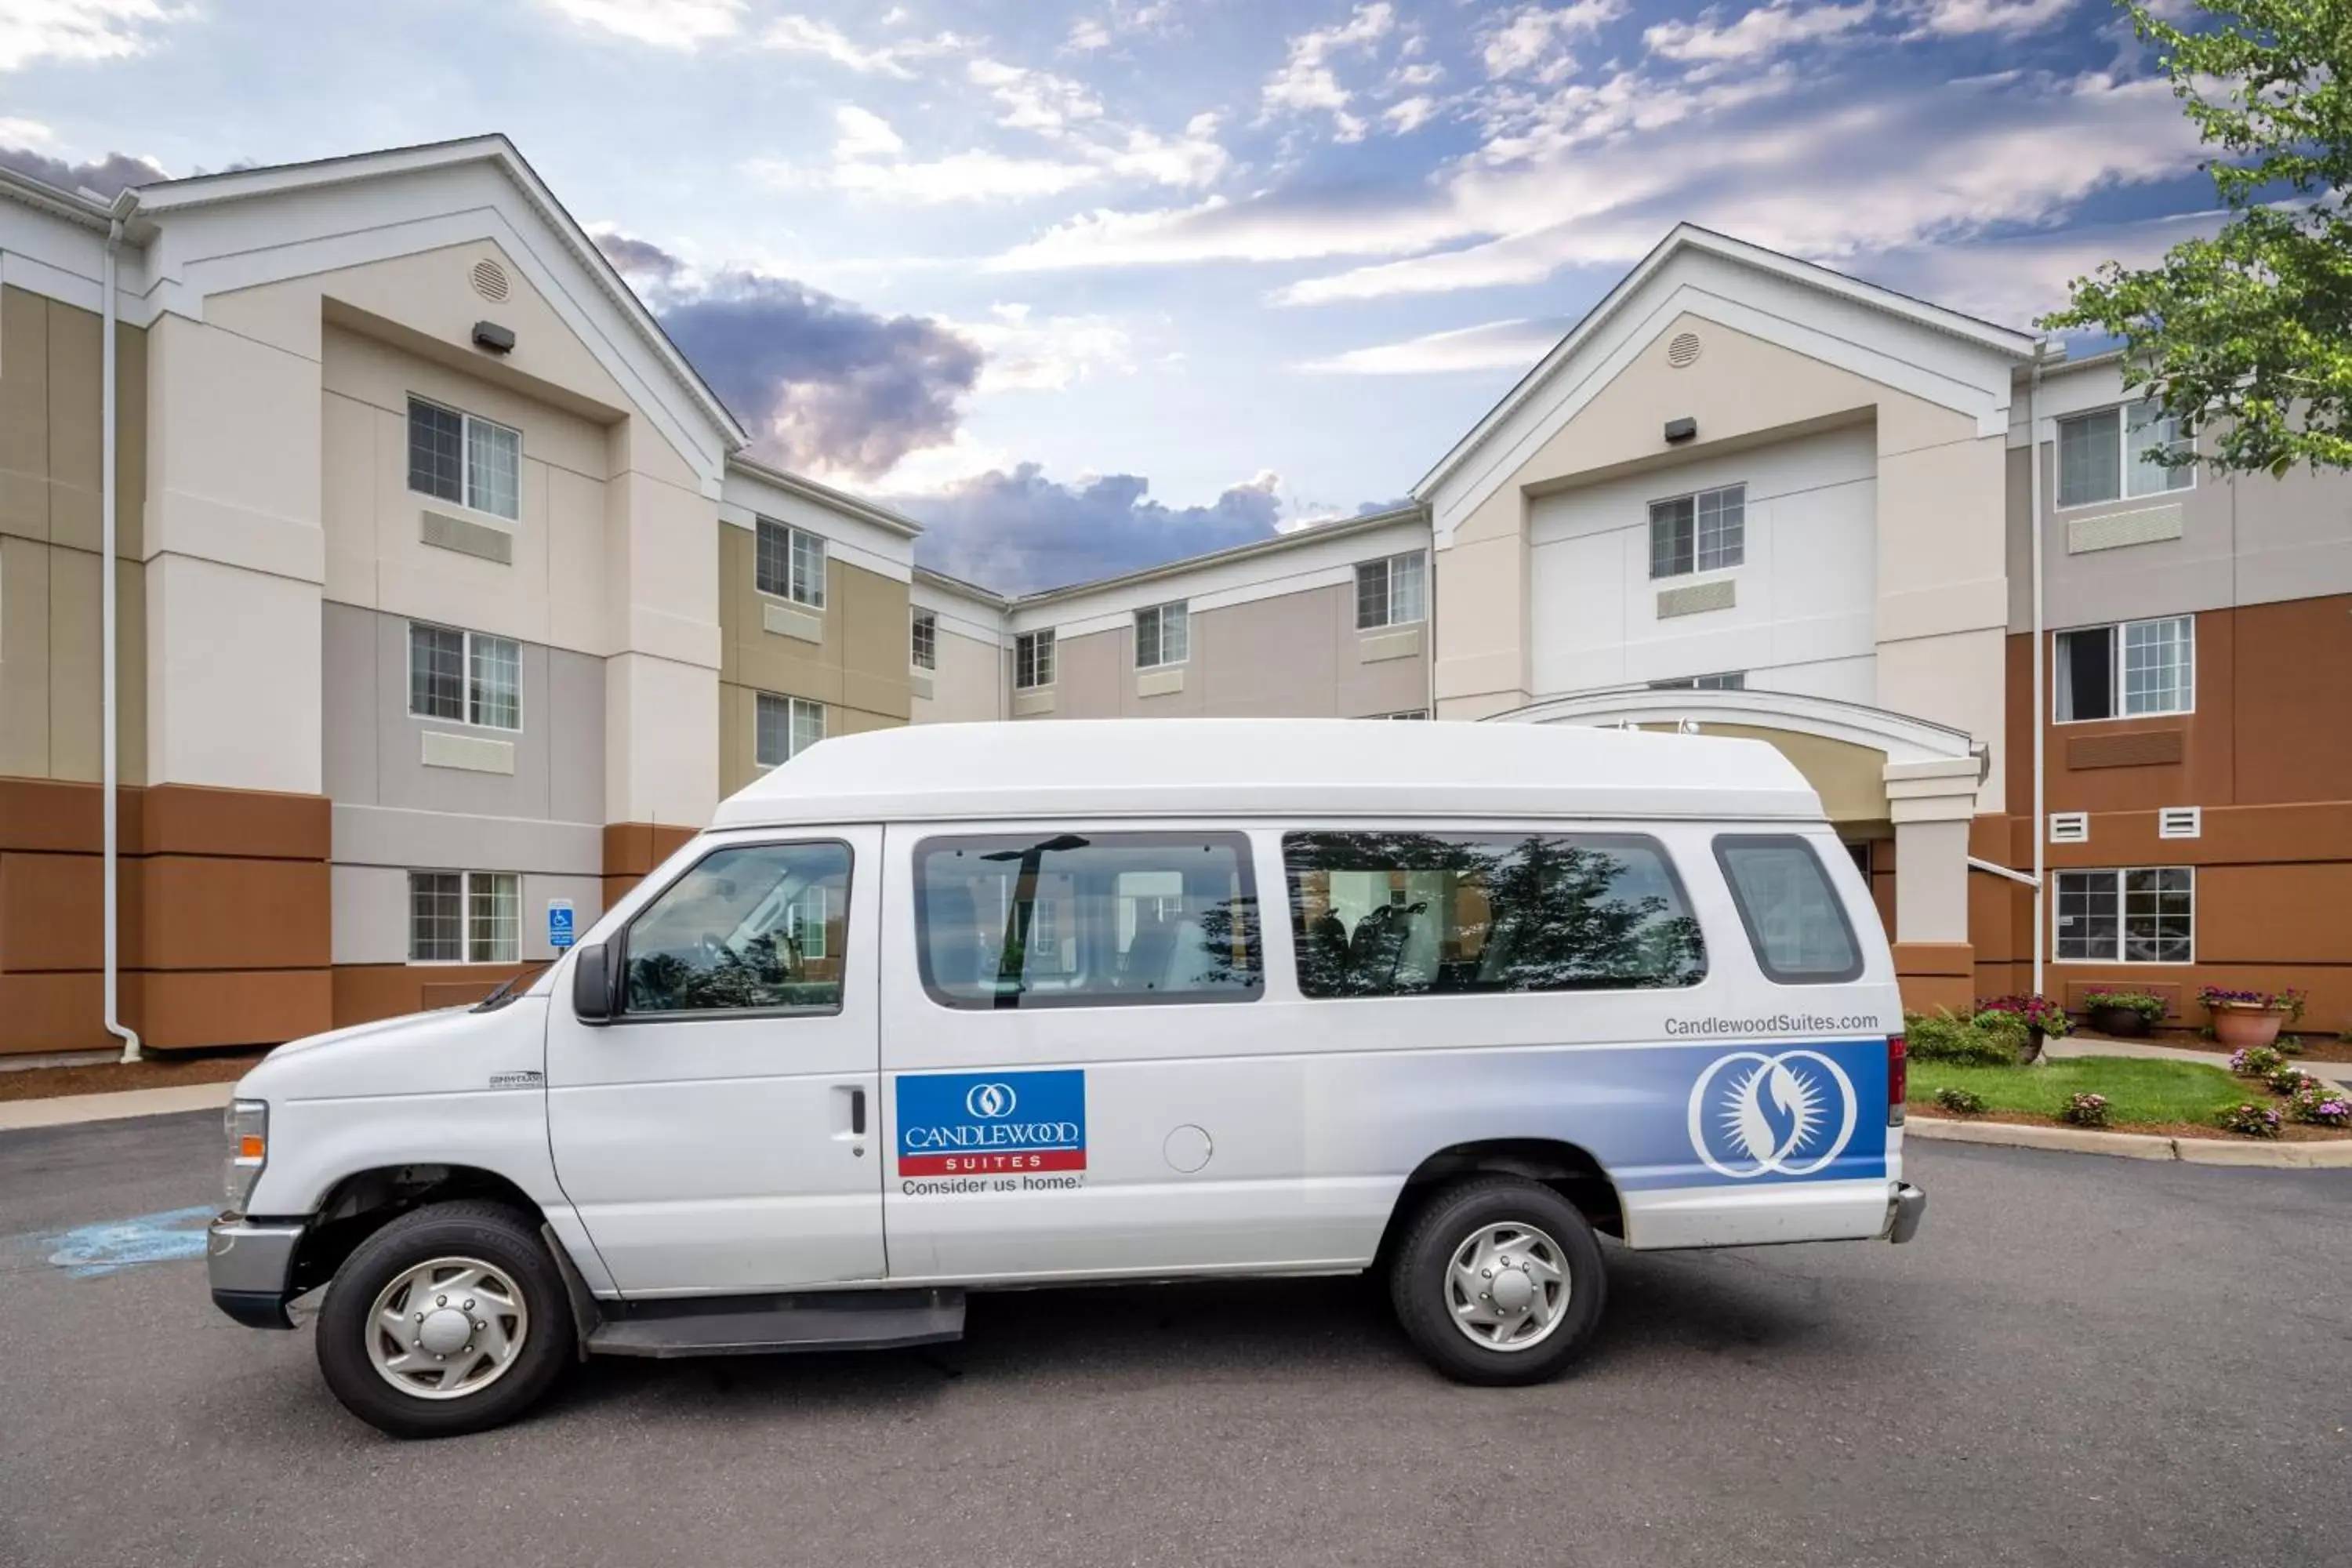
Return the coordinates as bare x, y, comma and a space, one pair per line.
2081, 1361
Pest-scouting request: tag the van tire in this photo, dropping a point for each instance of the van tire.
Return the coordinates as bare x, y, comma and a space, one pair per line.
488, 1234
1455, 1217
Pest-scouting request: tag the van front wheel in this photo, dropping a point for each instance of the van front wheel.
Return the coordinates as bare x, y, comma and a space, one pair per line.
1499, 1282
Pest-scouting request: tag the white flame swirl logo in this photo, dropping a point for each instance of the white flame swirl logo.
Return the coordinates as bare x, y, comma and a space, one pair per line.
1758, 1114
990, 1100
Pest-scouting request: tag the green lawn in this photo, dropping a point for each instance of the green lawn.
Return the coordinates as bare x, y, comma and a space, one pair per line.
2136, 1090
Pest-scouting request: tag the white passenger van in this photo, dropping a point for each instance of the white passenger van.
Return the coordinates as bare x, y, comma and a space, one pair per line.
974, 1006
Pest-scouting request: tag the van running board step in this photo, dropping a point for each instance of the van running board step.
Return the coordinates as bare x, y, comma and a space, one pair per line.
768, 1325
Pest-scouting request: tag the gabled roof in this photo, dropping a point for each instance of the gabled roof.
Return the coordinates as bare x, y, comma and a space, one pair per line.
166, 196
824, 495
58, 202
1688, 237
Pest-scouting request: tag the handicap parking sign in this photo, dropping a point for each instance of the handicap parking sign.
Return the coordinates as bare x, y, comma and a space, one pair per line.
559, 923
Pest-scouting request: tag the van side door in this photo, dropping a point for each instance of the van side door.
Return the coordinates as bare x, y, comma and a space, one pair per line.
716, 1134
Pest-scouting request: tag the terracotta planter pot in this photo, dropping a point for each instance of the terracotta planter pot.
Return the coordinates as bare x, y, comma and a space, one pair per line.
2124, 1023
2238, 1027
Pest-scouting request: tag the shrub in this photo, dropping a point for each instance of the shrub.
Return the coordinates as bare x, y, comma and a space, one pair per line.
2253, 1121
2285, 1079
2035, 1012
2086, 1110
1959, 1101
2317, 1104
2149, 1008
1944, 1039
2289, 1045
2255, 1061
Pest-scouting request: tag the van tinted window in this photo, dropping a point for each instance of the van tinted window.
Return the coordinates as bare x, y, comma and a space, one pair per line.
754, 927
1091, 920
1795, 921
1398, 913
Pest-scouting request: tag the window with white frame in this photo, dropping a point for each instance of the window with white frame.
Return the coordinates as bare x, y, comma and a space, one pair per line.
1162, 635
787, 727
1702, 532
2127, 670
1391, 592
454, 456
2112, 454
923, 641
2142, 914
806, 925
1033, 659
465, 677
790, 563
464, 917
1729, 681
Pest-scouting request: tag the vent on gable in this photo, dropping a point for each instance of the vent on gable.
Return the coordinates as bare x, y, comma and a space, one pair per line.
489, 280
2070, 827
1683, 352
2180, 822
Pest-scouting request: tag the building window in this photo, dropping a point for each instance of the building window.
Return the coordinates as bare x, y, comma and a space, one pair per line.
465, 677
1057, 919
1702, 532
923, 645
2142, 915
2103, 457
1162, 635
456, 458
752, 928
2127, 670
787, 727
1407, 713
1391, 592
464, 917
1400, 913
1729, 681
790, 564
1033, 659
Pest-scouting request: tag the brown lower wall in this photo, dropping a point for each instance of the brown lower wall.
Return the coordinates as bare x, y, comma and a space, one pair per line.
366, 992
224, 926
634, 849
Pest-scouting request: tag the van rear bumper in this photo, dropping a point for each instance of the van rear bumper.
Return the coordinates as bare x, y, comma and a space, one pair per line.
1906, 1206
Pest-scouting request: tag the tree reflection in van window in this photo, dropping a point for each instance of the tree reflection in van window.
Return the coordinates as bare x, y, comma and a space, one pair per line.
1387, 913
752, 928
1014, 920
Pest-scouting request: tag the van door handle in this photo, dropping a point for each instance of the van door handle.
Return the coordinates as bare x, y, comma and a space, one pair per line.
857, 1111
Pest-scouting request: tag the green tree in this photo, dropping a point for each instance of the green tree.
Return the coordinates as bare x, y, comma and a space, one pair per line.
2248, 334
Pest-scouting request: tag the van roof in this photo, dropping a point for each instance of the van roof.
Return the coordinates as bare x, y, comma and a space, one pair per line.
1271, 767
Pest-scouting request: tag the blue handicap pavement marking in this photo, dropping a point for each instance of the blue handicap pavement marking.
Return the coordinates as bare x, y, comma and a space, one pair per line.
93, 1251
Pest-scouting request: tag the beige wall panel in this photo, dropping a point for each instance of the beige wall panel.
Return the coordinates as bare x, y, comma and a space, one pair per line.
385, 375
661, 566
1277, 657
234, 673
129, 441
24, 657
77, 424
24, 413
575, 588
1958, 679
2163, 578
1849, 779
967, 686
234, 452
352, 435
1088, 672
857, 722
1481, 604
1941, 539
661, 741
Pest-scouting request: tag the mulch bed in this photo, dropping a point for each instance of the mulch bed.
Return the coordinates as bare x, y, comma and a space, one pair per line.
106, 1078
2315, 1047
2292, 1132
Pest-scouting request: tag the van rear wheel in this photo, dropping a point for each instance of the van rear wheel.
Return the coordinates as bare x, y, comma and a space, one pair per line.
450, 1319
1499, 1282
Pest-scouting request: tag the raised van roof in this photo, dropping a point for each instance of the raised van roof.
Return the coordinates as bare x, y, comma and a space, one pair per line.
1269, 767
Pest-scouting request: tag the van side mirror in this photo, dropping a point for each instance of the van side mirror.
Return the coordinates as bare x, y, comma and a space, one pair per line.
592, 984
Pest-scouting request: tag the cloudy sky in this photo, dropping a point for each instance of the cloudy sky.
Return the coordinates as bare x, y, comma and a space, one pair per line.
1092, 283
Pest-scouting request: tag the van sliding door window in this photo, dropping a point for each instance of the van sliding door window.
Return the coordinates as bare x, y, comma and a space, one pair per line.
1086, 919
1795, 921
752, 928
1400, 913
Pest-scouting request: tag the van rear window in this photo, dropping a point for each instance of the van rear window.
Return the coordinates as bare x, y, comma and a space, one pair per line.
1795, 921
1400, 913
1086, 919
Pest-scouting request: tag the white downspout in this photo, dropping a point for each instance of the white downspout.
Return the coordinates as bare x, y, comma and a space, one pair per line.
2040, 661
108, 801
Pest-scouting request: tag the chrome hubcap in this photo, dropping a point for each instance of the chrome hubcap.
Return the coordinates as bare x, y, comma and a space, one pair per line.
445, 1329
1508, 1286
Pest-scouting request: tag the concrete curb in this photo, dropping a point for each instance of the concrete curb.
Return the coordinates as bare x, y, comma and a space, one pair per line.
2332, 1156
64, 1109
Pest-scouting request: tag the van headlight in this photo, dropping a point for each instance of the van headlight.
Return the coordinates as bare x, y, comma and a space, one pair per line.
248, 1126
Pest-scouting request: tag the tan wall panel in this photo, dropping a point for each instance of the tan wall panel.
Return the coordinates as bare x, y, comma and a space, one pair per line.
23, 656
739, 737
192, 819
208, 913
24, 413
1849, 779
232, 1008
874, 612
77, 424
52, 911
51, 1012
2274, 914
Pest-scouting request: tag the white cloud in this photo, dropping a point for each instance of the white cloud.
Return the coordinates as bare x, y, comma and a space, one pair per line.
809, 36
1951, 19
1089, 33
1759, 35
82, 30
1035, 100
1410, 114
1217, 229
1491, 345
975, 176
2014, 280
1028, 353
1307, 84
864, 135
25, 133
1534, 41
